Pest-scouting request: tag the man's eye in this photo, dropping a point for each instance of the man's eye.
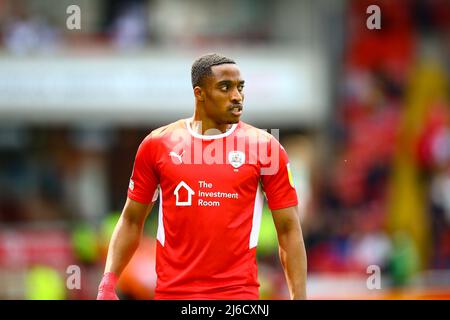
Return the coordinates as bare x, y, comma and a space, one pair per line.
224, 88
240, 88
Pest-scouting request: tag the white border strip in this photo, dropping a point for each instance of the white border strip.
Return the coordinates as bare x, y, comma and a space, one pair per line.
160, 234
257, 213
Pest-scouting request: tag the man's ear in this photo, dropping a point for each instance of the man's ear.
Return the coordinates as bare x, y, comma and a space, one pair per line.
199, 93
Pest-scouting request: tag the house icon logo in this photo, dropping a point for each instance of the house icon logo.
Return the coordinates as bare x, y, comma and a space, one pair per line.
183, 191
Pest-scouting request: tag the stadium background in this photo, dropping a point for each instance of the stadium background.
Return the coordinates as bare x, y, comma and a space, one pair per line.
363, 114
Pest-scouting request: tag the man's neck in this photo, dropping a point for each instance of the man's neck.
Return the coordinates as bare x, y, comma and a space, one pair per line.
207, 126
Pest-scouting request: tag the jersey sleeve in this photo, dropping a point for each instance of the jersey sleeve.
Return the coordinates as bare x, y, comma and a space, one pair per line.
144, 182
277, 179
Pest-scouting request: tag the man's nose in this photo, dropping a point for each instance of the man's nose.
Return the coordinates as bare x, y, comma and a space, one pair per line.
236, 96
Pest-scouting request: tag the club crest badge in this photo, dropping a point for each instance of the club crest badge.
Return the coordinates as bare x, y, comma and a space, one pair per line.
236, 158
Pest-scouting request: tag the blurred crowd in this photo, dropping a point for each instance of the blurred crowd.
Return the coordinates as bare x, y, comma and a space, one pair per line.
384, 200
374, 183
39, 27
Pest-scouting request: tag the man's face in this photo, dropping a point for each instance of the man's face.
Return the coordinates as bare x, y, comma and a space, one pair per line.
224, 95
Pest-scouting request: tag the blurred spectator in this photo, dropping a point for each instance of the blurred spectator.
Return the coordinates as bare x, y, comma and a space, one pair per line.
26, 33
130, 29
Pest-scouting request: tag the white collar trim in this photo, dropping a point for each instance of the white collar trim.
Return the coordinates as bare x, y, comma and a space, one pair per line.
209, 137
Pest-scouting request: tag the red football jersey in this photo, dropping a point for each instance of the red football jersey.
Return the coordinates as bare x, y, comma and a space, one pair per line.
211, 190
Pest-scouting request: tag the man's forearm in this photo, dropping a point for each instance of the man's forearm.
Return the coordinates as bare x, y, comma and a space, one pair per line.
124, 242
293, 259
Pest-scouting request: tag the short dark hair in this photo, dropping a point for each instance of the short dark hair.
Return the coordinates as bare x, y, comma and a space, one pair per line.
201, 68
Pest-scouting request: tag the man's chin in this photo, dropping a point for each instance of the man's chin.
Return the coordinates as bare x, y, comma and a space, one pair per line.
234, 120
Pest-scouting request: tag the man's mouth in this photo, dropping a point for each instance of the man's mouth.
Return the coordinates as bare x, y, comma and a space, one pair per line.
236, 110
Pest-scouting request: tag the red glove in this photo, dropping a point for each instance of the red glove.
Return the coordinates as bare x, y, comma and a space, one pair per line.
106, 289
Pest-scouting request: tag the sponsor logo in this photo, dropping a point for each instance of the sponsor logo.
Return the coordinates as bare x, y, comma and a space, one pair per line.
173, 154
190, 193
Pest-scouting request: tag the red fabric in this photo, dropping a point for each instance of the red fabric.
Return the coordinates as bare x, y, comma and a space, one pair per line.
208, 250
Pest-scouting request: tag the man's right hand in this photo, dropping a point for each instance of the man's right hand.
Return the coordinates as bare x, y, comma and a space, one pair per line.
106, 289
